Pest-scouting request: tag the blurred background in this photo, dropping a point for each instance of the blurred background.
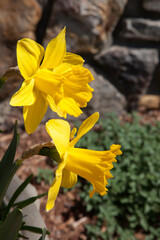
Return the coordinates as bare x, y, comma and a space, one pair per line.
120, 42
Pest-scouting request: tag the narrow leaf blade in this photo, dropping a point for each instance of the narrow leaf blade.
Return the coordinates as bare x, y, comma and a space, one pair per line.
11, 226
44, 232
29, 201
6, 181
8, 158
33, 229
16, 194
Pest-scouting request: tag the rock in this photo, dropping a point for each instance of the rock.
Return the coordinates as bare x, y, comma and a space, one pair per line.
133, 8
12, 79
141, 29
106, 98
9, 115
149, 102
18, 19
31, 213
89, 22
151, 5
130, 69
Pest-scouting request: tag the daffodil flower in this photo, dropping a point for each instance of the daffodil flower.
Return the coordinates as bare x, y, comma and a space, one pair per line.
53, 77
91, 165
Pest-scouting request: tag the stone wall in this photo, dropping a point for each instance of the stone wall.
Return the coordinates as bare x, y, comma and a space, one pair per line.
138, 30
119, 39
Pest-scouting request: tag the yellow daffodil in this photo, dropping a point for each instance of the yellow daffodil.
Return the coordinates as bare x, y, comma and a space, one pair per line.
91, 165
53, 77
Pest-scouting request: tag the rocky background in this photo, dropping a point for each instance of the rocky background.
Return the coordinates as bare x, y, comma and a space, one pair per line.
119, 39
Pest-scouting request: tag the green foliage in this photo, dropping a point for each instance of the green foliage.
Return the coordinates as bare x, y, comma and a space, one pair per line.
12, 222
11, 72
44, 232
133, 199
7, 166
11, 218
15, 196
2, 81
45, 174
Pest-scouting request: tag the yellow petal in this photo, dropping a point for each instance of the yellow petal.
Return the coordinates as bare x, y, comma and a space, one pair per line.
69, 60
63, 68
54, 189
29, 56
55, 51
49, 83
33, 114
91, 165
25, 95
73, 59
116, 149
73, 132
69, 179
53, 192
54, 107
91, 193
85, 127
59, 130
68, 105
76, 85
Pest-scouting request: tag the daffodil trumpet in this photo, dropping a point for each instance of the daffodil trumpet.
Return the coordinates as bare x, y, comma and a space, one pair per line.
53, 78
92, 165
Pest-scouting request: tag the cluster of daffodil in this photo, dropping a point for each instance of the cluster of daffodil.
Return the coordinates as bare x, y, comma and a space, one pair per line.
57, 78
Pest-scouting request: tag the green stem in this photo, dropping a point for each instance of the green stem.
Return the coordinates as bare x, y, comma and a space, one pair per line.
45, 149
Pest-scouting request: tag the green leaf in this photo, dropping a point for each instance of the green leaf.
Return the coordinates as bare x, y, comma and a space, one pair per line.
44, 232
2, 81
7, 167
6, 181
11, 72
8, 158
22, 236
11, 226
16, 195
33, 229
50, 152
29, 201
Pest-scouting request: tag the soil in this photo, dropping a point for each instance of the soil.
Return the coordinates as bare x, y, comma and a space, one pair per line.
67, 220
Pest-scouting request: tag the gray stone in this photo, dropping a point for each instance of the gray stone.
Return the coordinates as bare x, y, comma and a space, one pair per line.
130, 69
89, 22
133, 8
8, 116
8, 113
106, 98
141, 29
13, 79
151, 5
31, 212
